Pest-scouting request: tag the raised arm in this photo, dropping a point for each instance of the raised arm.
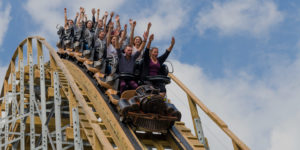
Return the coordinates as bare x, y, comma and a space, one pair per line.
104, 20
132, 24
84, 16
98, 13
93, 14
76, 17
116, 34
172, 44
145, 36
123, 36
142, 46
148, 27
151, 38
111, 16
146, 55
80, 17
117, 19
108, 34
66, 18
164, 56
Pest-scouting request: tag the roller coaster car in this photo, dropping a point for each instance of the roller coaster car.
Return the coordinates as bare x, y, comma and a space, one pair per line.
148, 111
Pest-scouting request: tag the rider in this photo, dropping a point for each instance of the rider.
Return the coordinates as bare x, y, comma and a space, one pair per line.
127, 62
152, 63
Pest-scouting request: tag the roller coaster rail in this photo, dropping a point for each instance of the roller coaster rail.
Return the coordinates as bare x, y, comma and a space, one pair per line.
65, 108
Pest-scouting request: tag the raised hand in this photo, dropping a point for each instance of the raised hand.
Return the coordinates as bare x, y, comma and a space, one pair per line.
125, 27
134, 23
93, 11
149, 25
98, 11
173, 41
117, 18
65, 10
151, 38
112, 14
172, 44
130, 22
106, 13
145, 35
77, 14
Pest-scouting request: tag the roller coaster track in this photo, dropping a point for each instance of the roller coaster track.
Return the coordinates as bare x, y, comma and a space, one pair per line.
57, 105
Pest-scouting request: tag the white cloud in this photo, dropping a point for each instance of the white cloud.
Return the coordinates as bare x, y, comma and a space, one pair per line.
236, 16
5, 19
166, 16
263, 112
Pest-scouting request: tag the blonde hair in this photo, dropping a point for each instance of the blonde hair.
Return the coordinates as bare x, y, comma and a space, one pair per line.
152, 48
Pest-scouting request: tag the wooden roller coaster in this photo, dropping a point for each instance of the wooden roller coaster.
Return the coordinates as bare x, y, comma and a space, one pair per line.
57, 105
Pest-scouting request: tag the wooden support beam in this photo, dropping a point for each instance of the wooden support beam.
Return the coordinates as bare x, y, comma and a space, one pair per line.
20, 55
29, 48
194, 112
39, 51
212, 115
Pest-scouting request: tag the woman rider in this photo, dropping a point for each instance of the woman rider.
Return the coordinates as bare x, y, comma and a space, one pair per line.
152, 63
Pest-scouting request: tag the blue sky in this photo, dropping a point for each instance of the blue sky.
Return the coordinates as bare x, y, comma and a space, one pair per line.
241, 54
213, 51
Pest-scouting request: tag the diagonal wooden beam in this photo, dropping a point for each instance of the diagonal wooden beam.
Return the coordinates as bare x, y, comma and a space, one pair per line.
211, 114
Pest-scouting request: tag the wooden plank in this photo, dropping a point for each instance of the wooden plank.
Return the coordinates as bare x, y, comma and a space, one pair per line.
20, 55
39, 51
29, 48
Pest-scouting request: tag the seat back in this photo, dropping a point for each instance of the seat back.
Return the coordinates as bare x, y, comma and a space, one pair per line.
138, 67
164, 70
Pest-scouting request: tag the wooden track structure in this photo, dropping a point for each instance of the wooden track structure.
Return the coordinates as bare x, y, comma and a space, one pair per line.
56, 105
